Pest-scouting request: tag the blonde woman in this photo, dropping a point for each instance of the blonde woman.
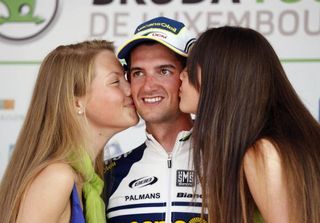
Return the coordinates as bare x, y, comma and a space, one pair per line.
80, 101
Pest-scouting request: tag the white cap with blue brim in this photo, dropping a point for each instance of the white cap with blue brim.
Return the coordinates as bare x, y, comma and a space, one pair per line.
170, 33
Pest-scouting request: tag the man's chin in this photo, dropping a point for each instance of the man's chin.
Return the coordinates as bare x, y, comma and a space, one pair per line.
151, 117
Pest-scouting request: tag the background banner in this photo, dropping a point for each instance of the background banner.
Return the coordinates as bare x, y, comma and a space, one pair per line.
30, 29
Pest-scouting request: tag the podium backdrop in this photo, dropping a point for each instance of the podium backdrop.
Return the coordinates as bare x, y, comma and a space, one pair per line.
30, 29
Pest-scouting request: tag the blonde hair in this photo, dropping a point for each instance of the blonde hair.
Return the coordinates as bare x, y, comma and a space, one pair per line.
51, 130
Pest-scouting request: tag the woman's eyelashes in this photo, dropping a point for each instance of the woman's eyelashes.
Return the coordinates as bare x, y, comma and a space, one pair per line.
114, 79
115, 82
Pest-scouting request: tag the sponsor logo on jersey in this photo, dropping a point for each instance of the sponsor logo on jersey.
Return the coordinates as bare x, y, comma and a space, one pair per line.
188, 195
137, 197
185, 178
109, 166
143, 182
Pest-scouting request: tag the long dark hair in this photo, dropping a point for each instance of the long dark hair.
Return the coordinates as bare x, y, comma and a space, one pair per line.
245, 96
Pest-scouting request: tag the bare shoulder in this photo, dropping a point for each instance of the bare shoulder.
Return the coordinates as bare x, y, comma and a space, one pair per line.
263, 154
59, 172
49, 192
262, 164
264, 174
56, 176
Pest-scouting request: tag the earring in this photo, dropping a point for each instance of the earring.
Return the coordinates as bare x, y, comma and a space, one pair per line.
79, 112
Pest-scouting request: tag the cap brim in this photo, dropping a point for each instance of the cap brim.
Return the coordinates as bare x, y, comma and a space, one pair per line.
125, 49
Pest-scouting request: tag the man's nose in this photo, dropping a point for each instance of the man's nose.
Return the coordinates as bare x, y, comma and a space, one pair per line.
150, 83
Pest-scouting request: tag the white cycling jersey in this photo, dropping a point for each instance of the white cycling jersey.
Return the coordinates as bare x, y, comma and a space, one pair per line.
148, 185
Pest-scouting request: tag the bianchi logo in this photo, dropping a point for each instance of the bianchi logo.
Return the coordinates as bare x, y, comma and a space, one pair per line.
142, 182
25, 19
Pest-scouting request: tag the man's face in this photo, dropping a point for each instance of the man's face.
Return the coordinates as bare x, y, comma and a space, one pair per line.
155, 83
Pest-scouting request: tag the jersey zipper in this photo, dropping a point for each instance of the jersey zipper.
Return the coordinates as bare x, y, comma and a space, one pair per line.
168, 213
176, 148
169, 160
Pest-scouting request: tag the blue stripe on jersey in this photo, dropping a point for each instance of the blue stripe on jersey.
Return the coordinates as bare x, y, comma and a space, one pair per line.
137, 206
188, 204
139, 218
158, 218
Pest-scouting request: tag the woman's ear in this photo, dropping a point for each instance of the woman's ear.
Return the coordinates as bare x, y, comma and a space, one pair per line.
79, 105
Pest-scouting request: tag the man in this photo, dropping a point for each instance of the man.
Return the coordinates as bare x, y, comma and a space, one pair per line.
155, 182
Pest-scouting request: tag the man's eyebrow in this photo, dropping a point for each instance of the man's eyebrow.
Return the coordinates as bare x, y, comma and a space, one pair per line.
135, 68
166, 66
161, 66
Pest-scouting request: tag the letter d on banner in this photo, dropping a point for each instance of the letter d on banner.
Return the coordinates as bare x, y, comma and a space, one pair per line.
98, 24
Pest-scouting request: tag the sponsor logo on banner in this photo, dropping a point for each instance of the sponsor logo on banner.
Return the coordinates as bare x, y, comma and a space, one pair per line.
290, 17
7, 104
185, 178
7, 108
25, 19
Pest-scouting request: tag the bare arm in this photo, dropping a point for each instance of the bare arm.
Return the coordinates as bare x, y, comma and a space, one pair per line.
267, 185
48, 197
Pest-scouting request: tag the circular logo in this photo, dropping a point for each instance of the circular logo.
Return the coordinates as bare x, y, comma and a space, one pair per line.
25, 19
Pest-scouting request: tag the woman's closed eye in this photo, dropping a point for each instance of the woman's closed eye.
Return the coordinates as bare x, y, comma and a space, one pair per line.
114, 81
